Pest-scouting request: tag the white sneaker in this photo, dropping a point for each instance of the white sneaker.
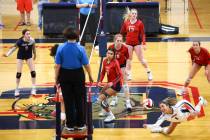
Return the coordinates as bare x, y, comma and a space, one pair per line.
182, 91
109, 118
33, 91
149, 75
129, 77
157, 130
203, 101
17, 93
114, 101
82, 129
97, 47
128, 105
103, 113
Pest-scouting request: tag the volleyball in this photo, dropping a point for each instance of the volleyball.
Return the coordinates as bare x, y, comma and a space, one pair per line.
148, 103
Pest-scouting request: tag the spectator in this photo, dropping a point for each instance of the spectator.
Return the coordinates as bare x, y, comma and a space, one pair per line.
85, 6
40, 12
25, 7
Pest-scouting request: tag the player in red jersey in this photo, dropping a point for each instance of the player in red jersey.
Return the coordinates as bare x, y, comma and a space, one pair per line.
122, 56
200, 57
24, 6
114, 77
133, 28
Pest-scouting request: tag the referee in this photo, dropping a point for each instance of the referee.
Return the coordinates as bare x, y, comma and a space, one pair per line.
70, 59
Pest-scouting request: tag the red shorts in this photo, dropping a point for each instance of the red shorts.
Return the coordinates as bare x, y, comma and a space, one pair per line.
24, 5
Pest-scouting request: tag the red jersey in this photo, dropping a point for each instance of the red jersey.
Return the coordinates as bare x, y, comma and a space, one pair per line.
133, 32
113, 72
203, 58
121, 55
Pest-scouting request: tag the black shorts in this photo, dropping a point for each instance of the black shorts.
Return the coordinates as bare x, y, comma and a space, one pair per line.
123, 65
117, 87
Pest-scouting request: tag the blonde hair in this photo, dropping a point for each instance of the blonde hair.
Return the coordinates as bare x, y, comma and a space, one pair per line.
169, 101
127, 13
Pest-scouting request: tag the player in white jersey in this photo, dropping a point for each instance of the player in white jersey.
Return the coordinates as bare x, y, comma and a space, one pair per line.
175, 112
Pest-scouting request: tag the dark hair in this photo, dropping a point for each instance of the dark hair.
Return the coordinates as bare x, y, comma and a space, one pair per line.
70, 33
169, 101
53, 50
24, 31
113, 50
118, 35
199, 43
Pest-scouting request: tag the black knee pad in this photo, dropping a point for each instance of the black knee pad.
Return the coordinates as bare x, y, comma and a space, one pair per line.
33, 74
18, 75
104, 104
106, 94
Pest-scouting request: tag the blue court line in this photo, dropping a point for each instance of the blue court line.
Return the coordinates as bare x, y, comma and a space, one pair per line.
148, 39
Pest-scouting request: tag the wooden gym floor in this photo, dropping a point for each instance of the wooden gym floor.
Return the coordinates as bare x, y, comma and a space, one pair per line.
167, 59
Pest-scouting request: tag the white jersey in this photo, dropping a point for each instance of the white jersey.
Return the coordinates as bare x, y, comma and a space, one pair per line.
181, 112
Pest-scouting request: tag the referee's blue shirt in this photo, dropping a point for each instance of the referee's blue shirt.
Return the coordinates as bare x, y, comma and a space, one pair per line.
86, 10
71, 55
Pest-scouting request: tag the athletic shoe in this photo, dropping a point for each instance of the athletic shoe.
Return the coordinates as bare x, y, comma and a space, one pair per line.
128, 105
109, 118
203, 101
149, 75
97, 47
67, 130
28, 23
17, 93
182, 91
129, 76
103, 113
157, 129
21, 23
114, 101
33, 91
81, 129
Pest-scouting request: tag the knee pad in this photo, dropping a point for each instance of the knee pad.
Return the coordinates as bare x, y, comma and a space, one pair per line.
33, 74
106, 94
18, 75
143, 61
104, 104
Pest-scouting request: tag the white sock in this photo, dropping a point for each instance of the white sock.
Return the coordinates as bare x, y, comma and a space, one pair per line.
198, 107
63, 116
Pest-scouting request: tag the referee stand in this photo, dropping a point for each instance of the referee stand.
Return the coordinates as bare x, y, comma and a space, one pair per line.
77, 135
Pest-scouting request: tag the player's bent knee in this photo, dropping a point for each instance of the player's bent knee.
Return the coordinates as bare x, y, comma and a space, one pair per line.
33, 74
18, 75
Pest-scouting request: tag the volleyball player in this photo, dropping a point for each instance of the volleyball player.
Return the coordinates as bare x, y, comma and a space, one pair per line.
133, 29
200, 57
26, 50
175, 112
122, 56
114, 76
